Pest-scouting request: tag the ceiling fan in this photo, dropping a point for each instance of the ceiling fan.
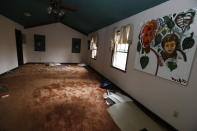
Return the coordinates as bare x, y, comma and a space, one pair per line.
56, 8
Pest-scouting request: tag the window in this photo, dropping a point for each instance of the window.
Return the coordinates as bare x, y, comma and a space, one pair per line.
121, 41
93, 46
120, 56
94, 51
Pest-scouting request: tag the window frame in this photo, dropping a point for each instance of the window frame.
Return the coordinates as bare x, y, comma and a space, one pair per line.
112, 55
96, 52
94, 45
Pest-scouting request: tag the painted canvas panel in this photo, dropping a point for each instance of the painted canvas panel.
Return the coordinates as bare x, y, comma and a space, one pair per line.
39, 42
167, 45
76, 45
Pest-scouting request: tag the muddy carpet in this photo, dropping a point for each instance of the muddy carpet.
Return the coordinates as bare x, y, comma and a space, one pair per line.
54, 99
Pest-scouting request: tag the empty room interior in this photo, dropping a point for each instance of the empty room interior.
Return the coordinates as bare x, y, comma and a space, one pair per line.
98, 65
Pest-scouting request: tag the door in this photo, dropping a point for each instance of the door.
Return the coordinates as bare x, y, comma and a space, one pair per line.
19, 46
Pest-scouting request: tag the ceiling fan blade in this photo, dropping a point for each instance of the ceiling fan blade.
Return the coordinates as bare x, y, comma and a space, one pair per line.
67, 6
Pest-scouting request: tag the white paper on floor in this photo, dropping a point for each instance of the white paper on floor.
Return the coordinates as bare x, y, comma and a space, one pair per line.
81, 64
129, 117
116, 97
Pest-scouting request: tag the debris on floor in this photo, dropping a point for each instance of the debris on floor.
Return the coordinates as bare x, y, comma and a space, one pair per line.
82, 65
129, 117
49, 64
109, 101
53, 64
105, 84
3, 92
11, 72
57, 64
115, 97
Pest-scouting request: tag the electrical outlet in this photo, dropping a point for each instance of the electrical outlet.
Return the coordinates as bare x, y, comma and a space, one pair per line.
176, 114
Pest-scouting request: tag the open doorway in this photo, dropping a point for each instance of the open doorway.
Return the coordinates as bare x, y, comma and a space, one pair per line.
19, 46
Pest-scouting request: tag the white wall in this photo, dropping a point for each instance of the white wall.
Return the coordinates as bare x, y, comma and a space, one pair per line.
8, 53
58, 40
161, 96
58, 44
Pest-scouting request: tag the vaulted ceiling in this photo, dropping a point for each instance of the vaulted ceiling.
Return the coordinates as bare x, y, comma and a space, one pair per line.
90, 15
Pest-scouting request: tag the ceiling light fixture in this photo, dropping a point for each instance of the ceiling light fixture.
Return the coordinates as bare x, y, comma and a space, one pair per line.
54, 10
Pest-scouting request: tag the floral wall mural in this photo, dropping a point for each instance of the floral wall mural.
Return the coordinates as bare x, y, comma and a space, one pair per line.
167, 45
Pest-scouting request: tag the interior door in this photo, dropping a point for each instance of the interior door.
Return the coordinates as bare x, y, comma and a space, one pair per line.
19, 46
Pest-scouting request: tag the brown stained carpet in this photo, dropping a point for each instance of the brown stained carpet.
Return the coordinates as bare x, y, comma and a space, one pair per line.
54, 99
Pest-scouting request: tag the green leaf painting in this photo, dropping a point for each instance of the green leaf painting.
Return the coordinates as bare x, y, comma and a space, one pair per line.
139, 46
144, 60
169, 22
188, 42
172, 66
